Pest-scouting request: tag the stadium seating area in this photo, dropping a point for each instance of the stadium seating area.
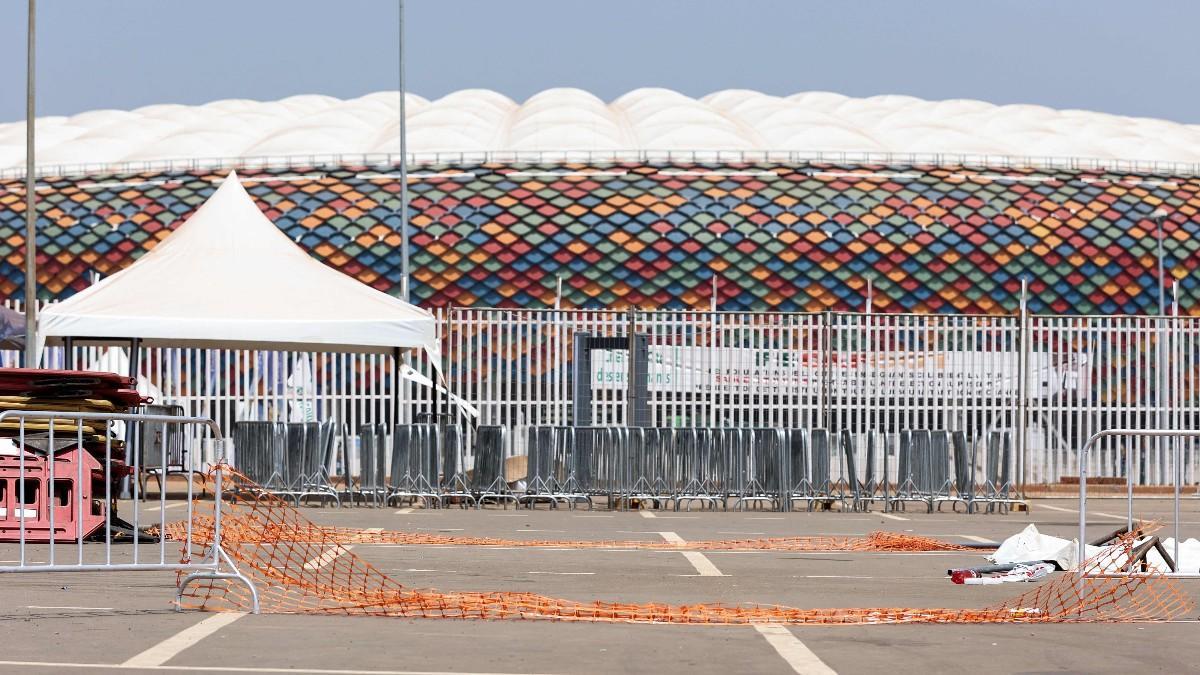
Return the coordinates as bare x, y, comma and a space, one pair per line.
790, 238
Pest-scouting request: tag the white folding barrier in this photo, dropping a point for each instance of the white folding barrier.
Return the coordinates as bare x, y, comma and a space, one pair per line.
48, 488
1177, 450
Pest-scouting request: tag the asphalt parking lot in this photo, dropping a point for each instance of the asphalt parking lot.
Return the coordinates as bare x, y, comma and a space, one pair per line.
124, 622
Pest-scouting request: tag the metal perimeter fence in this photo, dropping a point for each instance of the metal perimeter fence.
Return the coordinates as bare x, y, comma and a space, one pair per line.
1048, 382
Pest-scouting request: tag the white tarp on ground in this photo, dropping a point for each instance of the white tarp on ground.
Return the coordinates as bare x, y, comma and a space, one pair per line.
229, 278
1030, 545
1189, 555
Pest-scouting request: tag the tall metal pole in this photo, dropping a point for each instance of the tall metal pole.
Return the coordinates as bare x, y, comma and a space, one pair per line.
403, 172
30, 201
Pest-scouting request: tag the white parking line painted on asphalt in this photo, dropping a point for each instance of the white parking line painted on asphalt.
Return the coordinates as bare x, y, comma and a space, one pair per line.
798, 656
404, 511
703, 565
326, 557
152, 509
647, 514
892, 517
978, 540
1090, 513
567, 574
172, 646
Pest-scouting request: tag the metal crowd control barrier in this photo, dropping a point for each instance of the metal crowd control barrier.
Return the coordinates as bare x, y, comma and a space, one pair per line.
415, 464
488, 481
664, 467
1130, 472
697, 460
924, 469
998, 488
288, 459
61, 488
811, 462
681, 467
428, 463
557, 464
455, 484
373, 459
156, 436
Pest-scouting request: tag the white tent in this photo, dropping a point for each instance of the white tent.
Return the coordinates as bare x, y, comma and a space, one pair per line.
228, 278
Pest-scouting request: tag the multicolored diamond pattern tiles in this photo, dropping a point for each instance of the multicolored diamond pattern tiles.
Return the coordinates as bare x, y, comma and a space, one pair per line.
791, 238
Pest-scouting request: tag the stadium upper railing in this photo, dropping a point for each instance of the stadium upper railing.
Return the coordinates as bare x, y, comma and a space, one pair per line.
1150, 167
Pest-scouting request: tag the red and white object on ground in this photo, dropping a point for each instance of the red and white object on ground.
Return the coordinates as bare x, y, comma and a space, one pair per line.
1031, 572
77, 510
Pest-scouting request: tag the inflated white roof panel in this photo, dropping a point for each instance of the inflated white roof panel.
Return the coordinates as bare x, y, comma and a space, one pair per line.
650, 119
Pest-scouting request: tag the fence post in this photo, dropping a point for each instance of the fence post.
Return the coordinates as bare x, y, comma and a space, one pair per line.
1023, 390
631, 369
1176, 402
825, 354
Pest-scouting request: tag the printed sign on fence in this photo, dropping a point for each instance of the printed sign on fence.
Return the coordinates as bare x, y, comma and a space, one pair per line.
773, 372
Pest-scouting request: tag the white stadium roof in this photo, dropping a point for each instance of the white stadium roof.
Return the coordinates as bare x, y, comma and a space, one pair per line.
561, 120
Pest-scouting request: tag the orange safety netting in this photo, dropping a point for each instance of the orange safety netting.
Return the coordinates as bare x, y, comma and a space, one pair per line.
299, 567
880, 542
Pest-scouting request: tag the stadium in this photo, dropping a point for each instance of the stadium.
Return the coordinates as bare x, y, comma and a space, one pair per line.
833, 350
652, 200
773, 211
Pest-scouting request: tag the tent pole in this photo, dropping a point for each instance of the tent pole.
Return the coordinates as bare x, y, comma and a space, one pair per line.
448, 340
131, 438
69, 353
135, 346
395, 385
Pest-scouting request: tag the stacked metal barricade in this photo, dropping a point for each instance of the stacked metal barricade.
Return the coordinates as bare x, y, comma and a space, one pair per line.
289, 459
765, 468
637, 467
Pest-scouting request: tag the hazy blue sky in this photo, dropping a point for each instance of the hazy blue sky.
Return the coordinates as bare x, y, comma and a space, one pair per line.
1118, 56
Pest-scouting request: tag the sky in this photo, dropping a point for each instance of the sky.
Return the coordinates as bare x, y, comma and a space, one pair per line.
1131, 58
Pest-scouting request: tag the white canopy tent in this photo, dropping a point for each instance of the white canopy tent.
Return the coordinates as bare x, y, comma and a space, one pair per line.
228, 278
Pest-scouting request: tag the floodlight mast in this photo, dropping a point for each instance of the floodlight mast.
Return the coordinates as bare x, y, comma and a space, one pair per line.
404, 280
30, 199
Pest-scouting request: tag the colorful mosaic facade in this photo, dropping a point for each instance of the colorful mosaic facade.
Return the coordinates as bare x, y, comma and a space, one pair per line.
791, 238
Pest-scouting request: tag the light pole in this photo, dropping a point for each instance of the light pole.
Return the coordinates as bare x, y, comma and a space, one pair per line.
1158, 216
30, 202
403, 171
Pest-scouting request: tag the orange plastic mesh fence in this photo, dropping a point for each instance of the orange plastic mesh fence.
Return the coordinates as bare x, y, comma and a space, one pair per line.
348, 536
301, 568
